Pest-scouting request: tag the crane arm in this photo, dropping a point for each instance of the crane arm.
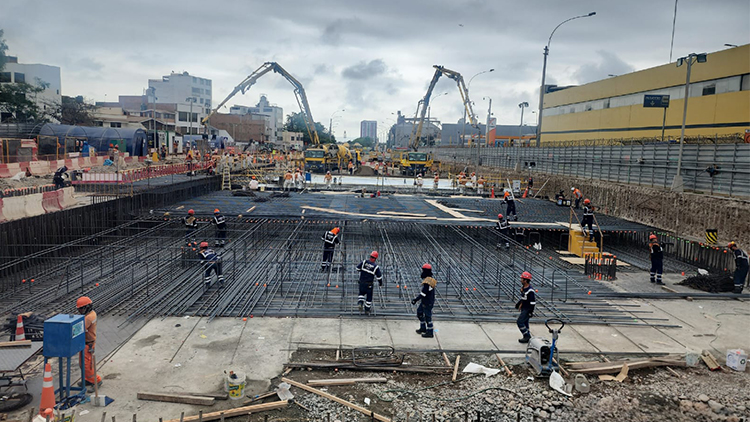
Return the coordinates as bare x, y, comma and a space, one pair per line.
425, 103
464, 95
242, 87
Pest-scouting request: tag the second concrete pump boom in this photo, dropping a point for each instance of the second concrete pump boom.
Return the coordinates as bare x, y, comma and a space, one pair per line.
424, 103
299, 92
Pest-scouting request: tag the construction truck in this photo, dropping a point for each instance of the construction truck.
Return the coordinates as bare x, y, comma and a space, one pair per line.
415, 162
317, 157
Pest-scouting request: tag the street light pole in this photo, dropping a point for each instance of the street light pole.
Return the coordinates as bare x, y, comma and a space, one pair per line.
487, 126
544, 76
677, 183
468, 89
330, 123
522, 106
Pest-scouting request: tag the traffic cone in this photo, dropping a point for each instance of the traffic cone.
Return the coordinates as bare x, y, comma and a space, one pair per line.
20, 333
48, 391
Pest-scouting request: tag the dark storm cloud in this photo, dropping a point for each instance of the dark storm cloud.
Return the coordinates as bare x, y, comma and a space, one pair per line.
329, 45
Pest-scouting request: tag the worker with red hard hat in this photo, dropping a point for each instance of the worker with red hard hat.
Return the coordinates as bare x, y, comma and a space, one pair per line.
221, 228
588, 219
86, 307
657, 259
369, 272
426, 301
211, 264
191, 225
503, 228
741, 266
330, 240
526, 306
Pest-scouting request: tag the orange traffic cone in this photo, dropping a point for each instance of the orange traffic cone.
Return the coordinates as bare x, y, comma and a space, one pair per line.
20, 333
48, 391
525, 192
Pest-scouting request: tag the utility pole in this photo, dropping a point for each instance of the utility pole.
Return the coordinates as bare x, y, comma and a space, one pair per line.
489, 117
677, 183
522, 106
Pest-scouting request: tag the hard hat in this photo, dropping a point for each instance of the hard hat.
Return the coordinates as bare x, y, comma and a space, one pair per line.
335, 230
652, 237
426, 267
253, 177
216, 211
204, 245
732, 243
191, 212
374, 254
586, 201
83, 301
526, 275
500, 216
572, 188
328, 172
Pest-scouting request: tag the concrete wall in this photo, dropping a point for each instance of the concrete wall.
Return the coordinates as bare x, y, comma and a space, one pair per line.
686, 214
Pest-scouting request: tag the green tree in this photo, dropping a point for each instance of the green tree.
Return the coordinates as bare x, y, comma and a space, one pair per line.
295, 122
72, 111
17, 102
366, 142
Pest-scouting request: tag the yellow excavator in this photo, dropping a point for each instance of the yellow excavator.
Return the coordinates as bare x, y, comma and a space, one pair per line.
317, 156
415, 162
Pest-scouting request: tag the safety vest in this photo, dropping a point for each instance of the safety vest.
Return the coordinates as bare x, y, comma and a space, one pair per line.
219, 220
330, 239
588, 211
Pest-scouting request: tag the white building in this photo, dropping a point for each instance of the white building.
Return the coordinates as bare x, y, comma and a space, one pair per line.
180, 88
368, 129
292, 140
275, 124
35, 75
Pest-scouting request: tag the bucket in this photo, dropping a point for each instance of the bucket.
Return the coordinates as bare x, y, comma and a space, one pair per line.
235, 385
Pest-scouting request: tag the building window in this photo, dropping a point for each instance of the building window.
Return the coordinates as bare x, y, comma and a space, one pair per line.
208, 92
183, 116
195, 117
196, 90
5, 77
709, 89
588, 107
19, 77
203, 81
606, 103
195, 80
99, 124
115, 124
201, 100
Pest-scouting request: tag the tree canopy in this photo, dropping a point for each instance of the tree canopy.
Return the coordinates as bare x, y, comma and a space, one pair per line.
295, 122
366, 142
72, 111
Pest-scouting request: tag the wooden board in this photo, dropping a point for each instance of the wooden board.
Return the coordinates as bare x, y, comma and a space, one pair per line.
176, 398
455, 368
350, 405
239, 411
21, 343
343, 381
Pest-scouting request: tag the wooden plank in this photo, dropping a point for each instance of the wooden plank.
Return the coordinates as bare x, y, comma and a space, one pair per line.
503, 365
455, 368
240, 411
215, 396
615, 368
176, 398
350, 405
447, 361
259, 397
343, 381
21, 343
669, 289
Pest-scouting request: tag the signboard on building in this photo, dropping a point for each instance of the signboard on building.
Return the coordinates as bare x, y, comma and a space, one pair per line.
658, 101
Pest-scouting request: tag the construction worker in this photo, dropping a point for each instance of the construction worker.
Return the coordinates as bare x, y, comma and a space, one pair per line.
253, 183
351, 168
461, 183
419, 182
657, 259
299, 179
503, 227
577, 195
526, 306
221, 228
288, 180
211, 263
435, 181
473, 180
588, 219
328, 179
741, 265
426, 299
191, 225
330, 240
510, 201
86, 307
480, 185
530, 184
369, 271
58, 177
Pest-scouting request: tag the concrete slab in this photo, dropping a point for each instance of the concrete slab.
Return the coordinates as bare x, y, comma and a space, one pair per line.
652, 340
463, 336
323, 333
404, 337
606, 339
359, 333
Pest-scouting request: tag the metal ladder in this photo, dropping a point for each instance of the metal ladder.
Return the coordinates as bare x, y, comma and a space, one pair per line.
226, 183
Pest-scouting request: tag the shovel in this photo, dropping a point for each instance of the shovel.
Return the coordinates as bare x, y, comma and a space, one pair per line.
99, 401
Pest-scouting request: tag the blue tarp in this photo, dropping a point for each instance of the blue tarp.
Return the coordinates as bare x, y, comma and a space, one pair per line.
99, 137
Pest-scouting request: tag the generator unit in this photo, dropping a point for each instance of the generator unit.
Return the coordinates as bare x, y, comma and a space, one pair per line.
541, 355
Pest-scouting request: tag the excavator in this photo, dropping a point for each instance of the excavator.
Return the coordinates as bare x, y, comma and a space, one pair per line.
414, 162
318, 157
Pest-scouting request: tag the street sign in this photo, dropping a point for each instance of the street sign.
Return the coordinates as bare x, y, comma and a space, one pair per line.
658, 101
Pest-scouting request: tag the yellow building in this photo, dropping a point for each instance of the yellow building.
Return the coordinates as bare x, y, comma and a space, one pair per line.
719, 102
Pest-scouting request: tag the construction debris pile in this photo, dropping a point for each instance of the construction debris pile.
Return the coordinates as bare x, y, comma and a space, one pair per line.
714, 283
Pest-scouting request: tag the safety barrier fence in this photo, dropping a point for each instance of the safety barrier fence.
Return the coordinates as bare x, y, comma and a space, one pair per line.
600, 266
32, 205
135, 175
5, 193
706, 168
43, 168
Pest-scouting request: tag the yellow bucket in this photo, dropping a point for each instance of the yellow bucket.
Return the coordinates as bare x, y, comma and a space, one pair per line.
235, 385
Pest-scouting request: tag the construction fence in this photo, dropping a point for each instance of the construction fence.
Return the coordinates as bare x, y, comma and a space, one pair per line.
722, 169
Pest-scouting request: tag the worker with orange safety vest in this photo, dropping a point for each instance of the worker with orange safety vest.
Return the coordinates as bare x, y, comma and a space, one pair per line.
288, 180
191, 225
435, 181
426, 299
369, 272
328, 179
588, 219
480, 185
578, 195
86, 307
510, 202
211, 264
657, 259
330, 240
526, 306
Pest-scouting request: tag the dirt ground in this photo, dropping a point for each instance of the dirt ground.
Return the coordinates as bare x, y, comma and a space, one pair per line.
646, 395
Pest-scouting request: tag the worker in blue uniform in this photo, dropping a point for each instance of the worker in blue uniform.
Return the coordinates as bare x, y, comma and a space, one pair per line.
741, 266
426, 299
369, 272
526, 306
191, 225
588, 219
211, 264
503, 227
221, 228
657, 259
330, 240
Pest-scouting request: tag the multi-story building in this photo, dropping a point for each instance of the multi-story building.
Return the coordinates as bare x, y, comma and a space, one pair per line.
191, 95
292, 140
400, 134
40, 75
242, 128
368, 129
615, 108
275, 114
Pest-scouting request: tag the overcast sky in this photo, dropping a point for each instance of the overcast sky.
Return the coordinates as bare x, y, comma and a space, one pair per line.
370, 58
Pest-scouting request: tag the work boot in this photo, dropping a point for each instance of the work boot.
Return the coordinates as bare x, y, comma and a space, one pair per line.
738, 288
525, 339
428, 334
361, 307
422, 329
